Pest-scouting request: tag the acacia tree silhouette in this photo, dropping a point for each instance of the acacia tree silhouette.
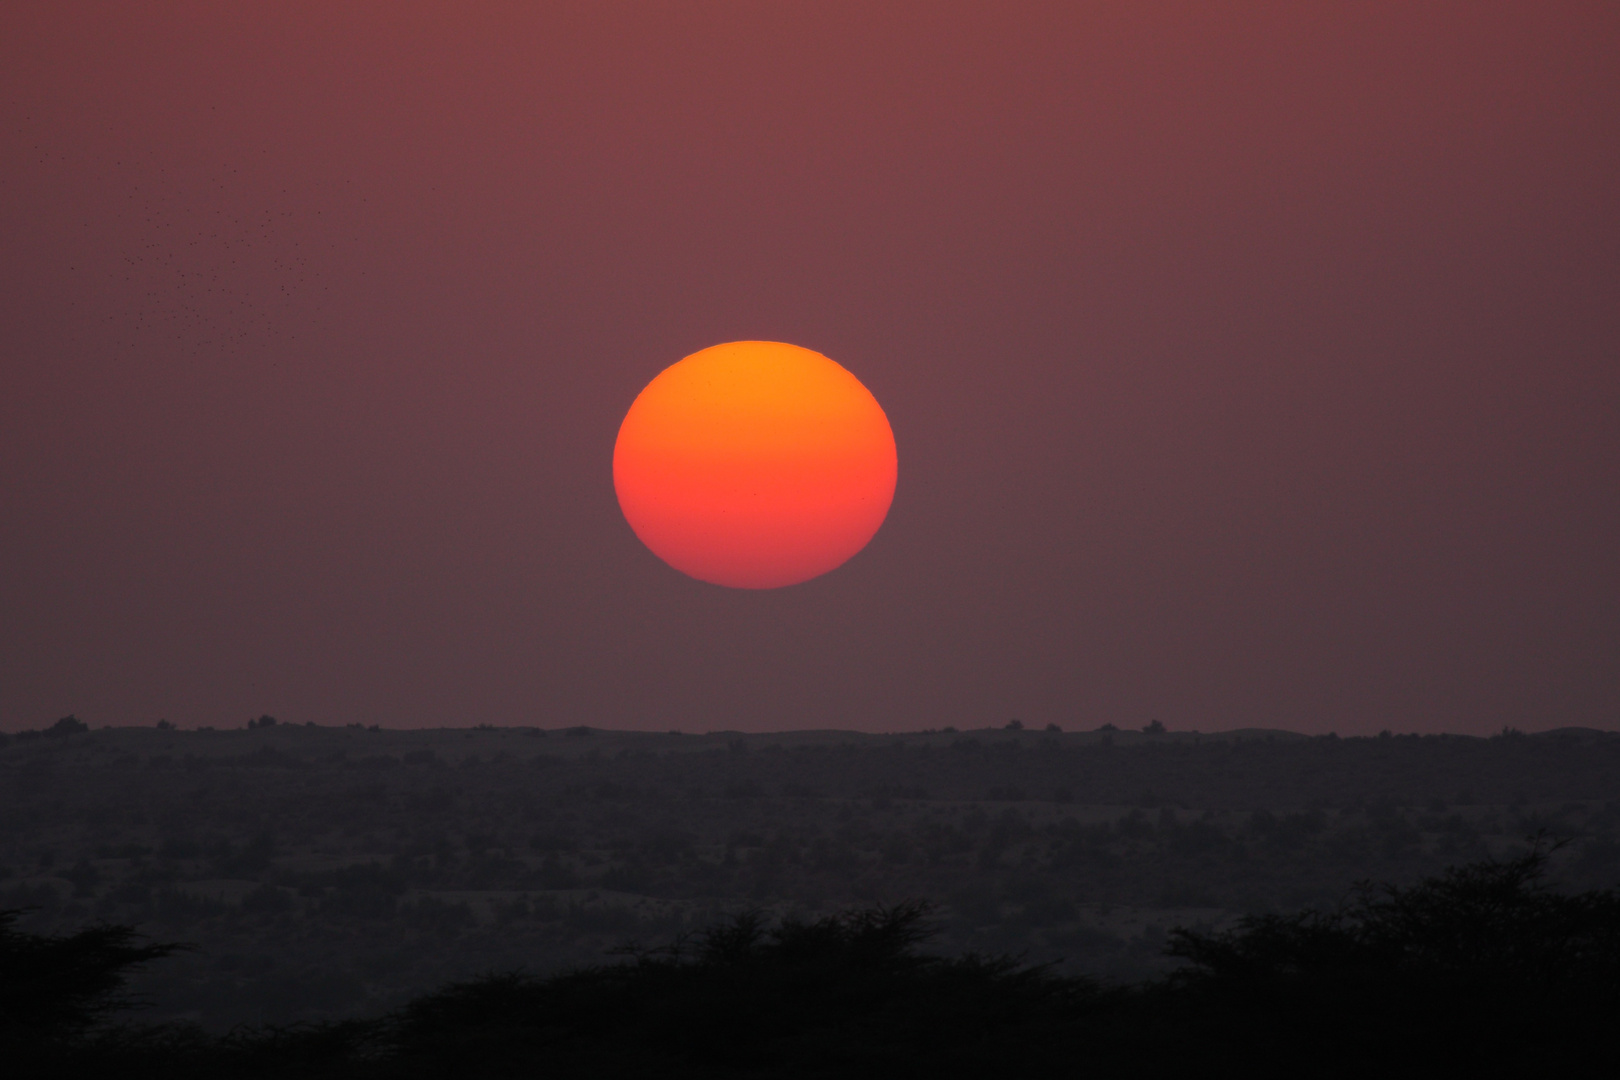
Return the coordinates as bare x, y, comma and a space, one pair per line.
58, 994
61, 986
1484, 963
743, 998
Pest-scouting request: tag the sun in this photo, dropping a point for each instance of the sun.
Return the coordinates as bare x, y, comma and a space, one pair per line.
755, 465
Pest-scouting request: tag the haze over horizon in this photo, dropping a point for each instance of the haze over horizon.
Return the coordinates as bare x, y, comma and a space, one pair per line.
1251, 367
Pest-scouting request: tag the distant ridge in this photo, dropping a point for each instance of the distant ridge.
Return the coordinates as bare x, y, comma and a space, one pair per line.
795, 736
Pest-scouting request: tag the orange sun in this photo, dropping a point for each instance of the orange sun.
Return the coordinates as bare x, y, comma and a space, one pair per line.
755, 464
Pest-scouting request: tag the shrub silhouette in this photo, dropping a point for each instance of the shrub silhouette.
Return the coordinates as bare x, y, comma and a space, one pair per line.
1482, 967
1484, 963
801, 998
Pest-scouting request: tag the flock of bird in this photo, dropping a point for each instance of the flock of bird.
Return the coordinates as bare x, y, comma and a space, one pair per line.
206, 274
197, 264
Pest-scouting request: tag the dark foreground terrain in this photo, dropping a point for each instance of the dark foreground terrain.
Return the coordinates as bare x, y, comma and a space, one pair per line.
331, 872
1483, 970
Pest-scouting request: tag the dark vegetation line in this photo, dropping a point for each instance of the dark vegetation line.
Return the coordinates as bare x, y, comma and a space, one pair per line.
334, 872
1483, 966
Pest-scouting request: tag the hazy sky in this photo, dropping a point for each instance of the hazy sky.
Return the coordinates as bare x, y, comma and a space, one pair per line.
1250, 364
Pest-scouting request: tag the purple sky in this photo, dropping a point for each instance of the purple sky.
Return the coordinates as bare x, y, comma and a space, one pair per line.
1250, 364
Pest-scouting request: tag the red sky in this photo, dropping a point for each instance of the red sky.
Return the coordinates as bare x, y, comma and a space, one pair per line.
1250, 364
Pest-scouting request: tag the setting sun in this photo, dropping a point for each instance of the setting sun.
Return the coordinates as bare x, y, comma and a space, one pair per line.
755, 464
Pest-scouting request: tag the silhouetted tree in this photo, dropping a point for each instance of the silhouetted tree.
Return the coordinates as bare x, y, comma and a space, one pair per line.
55, 990
1488, 961
68, 725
